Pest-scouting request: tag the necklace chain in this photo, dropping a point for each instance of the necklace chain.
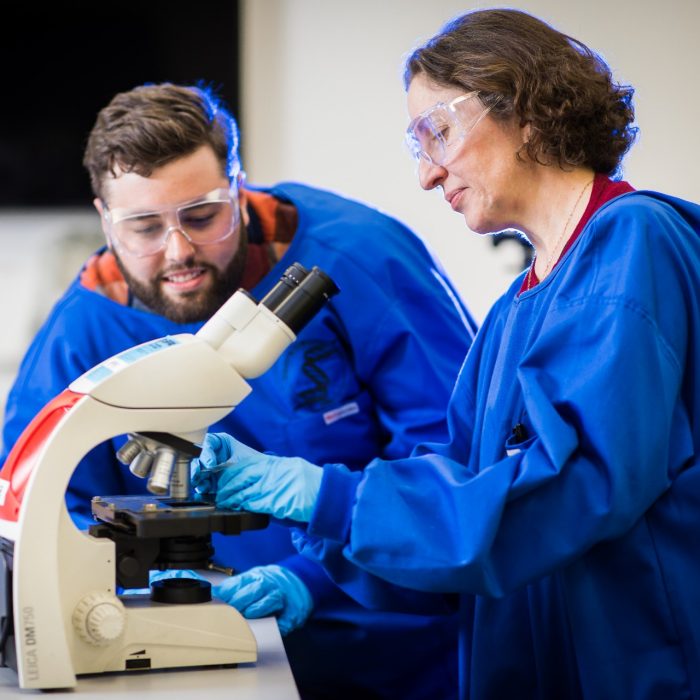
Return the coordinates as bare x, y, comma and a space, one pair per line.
551, 259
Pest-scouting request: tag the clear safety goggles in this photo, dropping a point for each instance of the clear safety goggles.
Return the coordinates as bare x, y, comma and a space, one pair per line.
433, 133
208, 219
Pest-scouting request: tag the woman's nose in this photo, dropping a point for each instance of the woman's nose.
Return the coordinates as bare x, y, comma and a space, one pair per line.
430, 175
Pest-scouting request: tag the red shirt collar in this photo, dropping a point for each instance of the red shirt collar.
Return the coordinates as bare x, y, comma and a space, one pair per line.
604, 189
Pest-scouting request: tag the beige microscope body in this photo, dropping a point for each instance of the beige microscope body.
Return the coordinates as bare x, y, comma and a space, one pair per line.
68, 619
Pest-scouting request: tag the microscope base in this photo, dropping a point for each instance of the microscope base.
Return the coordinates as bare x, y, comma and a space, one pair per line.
170, 636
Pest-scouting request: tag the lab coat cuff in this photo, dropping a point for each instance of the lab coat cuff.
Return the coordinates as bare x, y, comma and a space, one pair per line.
336, 498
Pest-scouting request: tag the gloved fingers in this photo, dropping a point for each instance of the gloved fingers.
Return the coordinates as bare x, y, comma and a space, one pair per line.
299, 604
216, 456
250, 592
222, 450
231, 586
294, 614
235, 486
216, 449
201, 478
237, 496
244, 588
287, 490
275, 504
272, 603
287, 624
267, 590
252, 500
248, 498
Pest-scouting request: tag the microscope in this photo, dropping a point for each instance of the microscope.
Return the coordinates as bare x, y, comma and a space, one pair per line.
61, 611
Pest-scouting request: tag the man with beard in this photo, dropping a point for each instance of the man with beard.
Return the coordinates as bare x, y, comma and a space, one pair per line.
368, 377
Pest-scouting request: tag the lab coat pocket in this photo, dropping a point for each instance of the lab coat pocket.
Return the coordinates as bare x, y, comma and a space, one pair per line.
518, 441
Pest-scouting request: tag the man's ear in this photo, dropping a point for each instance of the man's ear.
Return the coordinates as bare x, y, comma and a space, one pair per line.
99, 205
242, 197
243, 205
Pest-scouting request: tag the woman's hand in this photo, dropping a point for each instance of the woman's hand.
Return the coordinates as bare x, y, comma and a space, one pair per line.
242, 478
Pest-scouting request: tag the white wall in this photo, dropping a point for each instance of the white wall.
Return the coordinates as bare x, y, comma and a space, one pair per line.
323, 103
41, 253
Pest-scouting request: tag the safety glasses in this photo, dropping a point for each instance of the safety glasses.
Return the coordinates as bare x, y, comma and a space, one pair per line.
433, 134
208, 219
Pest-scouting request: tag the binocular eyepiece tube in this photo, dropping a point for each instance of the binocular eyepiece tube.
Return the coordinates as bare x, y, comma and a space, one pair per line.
299, 295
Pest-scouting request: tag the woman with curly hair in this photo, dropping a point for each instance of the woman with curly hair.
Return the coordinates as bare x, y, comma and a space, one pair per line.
565, 510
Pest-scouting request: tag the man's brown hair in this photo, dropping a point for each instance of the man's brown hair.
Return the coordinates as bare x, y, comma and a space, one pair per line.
152, 125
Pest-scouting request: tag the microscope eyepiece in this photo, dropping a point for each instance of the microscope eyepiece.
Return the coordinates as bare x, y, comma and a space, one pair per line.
251, 335
290, 280
306, 300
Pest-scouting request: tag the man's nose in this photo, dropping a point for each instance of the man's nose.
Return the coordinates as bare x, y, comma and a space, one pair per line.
178, 245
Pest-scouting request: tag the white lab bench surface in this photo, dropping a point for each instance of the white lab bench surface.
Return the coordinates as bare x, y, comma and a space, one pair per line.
269, 678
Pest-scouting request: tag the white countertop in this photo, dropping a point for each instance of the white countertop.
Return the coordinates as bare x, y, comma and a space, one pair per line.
270, 678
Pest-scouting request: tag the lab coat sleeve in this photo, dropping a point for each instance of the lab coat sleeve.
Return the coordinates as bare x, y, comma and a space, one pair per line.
600, 387
339, 485
381, 596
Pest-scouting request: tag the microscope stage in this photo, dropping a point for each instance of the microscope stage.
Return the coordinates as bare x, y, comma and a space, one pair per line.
161, 516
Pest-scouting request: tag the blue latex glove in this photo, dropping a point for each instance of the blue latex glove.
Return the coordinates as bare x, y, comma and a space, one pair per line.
244, 479
259, 592
268, 590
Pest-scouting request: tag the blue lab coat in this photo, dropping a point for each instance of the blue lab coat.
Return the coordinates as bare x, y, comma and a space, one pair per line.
565, 509
386, 351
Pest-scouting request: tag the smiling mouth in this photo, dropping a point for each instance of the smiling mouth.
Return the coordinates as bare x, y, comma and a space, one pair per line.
182, 277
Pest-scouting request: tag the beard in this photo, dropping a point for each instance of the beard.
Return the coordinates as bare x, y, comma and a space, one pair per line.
199, 305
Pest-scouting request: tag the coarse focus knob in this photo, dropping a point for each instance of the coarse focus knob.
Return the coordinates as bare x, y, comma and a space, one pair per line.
99, 618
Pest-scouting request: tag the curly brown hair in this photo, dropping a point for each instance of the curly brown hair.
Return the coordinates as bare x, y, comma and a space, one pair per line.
152, 125
529, 71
